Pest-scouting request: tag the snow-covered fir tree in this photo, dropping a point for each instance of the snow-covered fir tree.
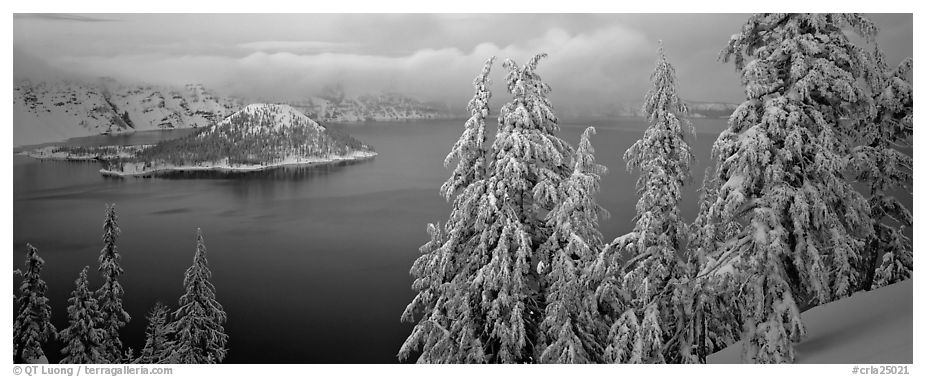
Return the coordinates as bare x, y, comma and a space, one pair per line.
886, 169
16, 272
451, 326
480, 297
32, 324
570, 327
714, 320
649, 317
470, 149
780, 171
83, 338
109, 295
158, 345
200, 335
528, 165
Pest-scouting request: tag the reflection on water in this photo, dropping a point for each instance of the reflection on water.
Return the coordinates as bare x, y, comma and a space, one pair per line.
281, 173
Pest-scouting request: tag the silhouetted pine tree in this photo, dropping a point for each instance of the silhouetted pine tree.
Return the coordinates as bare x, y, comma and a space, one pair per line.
157, 337
200, 335
32, 325
109, 296
83, 338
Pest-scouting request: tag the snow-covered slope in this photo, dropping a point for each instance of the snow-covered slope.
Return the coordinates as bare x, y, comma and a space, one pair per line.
54, 111
261, 118
868, 327
159, 107
45, 112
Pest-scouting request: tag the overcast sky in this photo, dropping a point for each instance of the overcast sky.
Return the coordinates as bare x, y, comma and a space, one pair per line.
595, 59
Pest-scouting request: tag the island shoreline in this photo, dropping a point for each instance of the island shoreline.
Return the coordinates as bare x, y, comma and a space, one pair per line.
360, 156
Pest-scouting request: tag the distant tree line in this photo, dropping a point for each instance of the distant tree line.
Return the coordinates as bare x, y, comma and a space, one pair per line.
99, 152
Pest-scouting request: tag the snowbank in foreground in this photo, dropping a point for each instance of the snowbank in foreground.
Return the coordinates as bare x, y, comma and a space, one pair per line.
138, 169
868, 327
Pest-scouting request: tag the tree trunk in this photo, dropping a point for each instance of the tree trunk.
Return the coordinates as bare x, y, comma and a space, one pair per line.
873, 248
18, 356
702, 343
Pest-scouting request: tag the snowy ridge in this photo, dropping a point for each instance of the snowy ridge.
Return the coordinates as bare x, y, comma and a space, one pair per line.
55, 111
52, 112
154, 107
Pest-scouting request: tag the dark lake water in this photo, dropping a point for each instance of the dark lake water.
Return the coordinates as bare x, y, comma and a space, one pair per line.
311, 264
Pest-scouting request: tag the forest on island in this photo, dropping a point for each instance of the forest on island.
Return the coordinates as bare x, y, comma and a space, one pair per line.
250, 138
